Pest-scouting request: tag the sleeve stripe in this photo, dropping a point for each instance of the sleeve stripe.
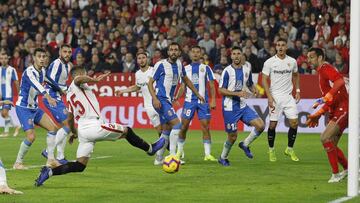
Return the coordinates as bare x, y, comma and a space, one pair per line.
34, 82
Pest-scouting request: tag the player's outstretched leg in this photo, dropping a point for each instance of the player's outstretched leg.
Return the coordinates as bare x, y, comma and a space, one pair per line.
60, 141
138, 142
24, 148
223, 159
160, 154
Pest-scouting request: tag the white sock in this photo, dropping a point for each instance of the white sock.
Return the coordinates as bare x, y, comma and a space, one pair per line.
61, 142
251, 137
226, 149
207, 147
7, 124
173, 138
24, 148
180, 145
50, 141
164, 134
3, 181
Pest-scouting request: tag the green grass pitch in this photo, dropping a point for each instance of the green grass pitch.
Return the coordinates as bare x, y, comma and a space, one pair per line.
127, 174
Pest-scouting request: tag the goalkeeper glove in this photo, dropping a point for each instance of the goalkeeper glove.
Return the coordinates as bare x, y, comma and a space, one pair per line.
313, 119
327, 98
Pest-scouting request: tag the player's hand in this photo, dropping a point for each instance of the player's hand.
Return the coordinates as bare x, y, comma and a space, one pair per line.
100, 77
255, 91
202, 99
118, 93
8, 102
242, 94
327, 98
72, 138
271, 102
213, 104
297, 97
156, 103
312, 120
51, 101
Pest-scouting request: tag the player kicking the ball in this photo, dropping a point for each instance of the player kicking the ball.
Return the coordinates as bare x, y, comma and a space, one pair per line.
84, 108
335, 100
234, 78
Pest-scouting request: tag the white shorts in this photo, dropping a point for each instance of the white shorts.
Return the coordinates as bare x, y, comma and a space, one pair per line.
286, 104
94, 130
153, 116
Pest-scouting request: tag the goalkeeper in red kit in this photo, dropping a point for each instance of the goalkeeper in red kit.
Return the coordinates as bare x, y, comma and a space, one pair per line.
335, 100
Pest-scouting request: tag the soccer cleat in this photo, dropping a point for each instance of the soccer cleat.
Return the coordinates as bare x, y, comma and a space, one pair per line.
158, 160
6, 190
4, 135
62, 161
291, 154
272, 155
224, 162
17, 130
209, 158
44, 153
43, 176
246, 150
156, 146
19, 166
335, 178
343, 173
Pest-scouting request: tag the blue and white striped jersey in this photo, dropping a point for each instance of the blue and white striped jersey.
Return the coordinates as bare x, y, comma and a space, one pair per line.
7, 76
56, 76
199, 74
167, 77
235, 80
30, 87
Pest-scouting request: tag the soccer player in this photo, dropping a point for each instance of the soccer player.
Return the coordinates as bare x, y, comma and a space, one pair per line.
142, 78
8, 77
335, 100
29, 113
56, 77
84, 108
282, 71
200, 74
167, 73
4, 188
235, 82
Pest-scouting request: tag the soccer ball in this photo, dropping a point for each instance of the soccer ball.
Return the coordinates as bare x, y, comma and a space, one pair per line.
171, 164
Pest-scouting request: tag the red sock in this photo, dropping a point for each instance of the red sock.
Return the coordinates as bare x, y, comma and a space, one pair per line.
342, 158
332, 156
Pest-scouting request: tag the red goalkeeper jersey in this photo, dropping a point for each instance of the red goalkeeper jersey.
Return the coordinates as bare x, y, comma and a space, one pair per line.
327, 76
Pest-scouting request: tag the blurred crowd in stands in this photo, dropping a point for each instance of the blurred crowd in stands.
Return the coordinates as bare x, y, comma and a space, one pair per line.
106, 34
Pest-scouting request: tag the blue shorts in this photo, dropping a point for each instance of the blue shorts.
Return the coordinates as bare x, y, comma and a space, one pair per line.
166, 112
28, 117
6, 106
59, 112
203, 111
231, 118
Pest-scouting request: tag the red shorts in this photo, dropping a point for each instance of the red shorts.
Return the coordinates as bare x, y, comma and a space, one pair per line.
341, 117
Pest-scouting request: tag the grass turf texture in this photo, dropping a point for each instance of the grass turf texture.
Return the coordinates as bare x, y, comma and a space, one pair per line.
129, 175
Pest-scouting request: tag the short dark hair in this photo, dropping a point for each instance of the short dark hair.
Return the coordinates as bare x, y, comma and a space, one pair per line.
318, 52
141, 52
174, 44
41, 50
235, 48
65, 46
282, 40
76, 69
196, 47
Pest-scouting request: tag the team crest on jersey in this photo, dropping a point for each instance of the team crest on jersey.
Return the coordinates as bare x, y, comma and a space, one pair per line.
289, 64
202, 69
170, 113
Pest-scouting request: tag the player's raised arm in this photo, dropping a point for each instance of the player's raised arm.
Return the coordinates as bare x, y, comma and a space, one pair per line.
132, 88
81, 79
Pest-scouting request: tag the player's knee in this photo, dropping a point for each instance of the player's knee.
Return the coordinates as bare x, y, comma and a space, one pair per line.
294, 123
177, 126
31, 137
4, 114
324, 139
260, 127
232, 137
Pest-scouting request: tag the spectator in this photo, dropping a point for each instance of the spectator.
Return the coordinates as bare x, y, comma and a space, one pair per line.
128, 64
253, 60
340, 65
207, 43
264, 53
112, 65
95, 66
218, 68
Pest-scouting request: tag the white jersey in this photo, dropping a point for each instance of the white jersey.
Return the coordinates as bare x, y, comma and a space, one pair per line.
280, 72
142, 78
82, 102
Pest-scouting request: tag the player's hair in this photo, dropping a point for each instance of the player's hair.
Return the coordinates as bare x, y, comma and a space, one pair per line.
141, 52
196, 47
65, 46
41, 50
318, 52
75, 70
175, 44
282, 40
235, 48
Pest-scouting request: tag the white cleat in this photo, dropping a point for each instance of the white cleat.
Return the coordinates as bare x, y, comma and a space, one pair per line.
335, 178
158, 160
19, 166
343, 174
6, 190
